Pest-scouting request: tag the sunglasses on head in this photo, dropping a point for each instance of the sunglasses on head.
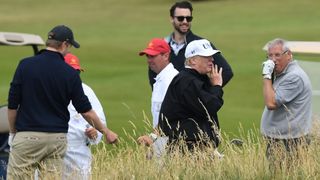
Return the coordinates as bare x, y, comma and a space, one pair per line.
181, 18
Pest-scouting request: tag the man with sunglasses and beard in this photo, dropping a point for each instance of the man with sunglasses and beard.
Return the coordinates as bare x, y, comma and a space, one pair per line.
286, 119
181, 18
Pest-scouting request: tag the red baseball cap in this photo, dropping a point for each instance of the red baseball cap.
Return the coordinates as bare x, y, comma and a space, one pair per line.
155, 47
73, 61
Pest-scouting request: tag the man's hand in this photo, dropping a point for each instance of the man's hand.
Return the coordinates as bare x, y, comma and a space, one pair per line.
145, 140
111, 137
267, 69
215, 76
91, 133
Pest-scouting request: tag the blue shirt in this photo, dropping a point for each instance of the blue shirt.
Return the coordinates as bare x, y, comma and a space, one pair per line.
41, 90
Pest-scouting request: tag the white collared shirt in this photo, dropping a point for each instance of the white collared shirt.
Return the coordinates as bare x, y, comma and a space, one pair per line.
163, 80
77, 159
78, 125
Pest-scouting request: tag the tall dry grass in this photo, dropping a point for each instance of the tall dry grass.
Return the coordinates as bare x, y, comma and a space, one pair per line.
239, 162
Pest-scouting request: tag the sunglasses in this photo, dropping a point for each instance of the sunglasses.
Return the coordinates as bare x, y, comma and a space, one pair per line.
181, 18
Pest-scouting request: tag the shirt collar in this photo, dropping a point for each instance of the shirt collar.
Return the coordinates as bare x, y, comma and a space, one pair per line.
173, 42
53, 52
164, 72
287, 67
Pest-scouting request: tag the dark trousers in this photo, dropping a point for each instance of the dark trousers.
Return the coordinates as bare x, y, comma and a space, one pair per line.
4, 156
189, 146
280, 151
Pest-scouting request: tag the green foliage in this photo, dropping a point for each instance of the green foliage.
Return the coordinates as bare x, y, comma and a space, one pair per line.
111, 34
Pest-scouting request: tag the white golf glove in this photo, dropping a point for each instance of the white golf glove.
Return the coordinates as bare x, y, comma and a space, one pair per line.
10, 140
267, 69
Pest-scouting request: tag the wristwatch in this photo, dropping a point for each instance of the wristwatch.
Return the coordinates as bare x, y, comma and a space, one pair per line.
153, 136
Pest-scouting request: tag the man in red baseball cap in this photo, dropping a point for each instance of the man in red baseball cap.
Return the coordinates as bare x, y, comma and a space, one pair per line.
155, 47
158, 52
77, 159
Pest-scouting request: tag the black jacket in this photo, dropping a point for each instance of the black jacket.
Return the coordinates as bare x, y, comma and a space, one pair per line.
189, 102
178, 60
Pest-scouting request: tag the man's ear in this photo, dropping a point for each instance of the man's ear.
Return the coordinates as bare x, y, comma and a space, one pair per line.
167, 55
290, 54
193, 60
171, 20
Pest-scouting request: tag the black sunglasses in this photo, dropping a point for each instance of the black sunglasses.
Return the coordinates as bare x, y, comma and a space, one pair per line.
181, 18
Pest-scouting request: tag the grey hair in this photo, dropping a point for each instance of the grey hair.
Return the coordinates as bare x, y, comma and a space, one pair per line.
187, 61
278, 41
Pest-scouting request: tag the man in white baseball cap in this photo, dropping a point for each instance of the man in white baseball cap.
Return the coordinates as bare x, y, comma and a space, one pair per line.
189, 110
200, 47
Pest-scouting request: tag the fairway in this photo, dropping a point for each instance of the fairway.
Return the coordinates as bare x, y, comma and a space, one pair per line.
112, 32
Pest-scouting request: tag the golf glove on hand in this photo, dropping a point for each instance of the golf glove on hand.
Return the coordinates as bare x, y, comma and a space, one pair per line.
10, 140
267, 69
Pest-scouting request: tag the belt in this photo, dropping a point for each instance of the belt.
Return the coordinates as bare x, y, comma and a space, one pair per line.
73, 143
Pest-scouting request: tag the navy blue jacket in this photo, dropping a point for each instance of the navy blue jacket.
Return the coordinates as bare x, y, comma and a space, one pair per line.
41, 90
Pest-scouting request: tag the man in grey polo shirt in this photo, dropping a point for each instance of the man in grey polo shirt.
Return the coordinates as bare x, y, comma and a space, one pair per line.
286, 119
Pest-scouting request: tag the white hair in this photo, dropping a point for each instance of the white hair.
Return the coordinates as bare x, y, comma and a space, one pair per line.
278, 41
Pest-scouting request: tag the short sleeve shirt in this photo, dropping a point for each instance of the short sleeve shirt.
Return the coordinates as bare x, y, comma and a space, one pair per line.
293, 95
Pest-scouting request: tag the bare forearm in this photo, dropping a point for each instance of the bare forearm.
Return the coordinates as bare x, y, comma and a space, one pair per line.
92, 118
12, 115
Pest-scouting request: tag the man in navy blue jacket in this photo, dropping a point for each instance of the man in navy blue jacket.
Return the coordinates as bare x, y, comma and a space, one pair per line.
40, 92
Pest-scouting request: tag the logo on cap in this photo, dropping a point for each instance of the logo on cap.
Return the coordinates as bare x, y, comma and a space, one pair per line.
156, 46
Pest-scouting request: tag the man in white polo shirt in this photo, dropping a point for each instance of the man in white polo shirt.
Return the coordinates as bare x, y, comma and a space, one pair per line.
158, 52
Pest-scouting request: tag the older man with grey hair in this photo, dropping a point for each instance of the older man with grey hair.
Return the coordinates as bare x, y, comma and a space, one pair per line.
286, 119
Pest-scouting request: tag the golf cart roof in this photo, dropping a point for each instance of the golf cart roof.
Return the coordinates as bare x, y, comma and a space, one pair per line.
303, 47
20, 39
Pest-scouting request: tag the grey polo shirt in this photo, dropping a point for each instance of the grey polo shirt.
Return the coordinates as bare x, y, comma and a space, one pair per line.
292, 117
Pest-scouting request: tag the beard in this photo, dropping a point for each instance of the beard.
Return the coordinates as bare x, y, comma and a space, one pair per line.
183, 31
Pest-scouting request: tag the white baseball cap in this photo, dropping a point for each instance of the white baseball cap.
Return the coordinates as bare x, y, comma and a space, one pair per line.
201, 47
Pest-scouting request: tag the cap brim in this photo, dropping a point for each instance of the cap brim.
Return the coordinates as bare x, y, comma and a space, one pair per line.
210, 53
149, 52
75, 44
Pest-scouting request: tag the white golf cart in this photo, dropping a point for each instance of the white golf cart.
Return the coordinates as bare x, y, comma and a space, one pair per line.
12, 39
307, 53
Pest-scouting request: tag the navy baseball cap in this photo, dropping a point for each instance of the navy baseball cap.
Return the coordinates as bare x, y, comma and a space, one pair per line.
63, 33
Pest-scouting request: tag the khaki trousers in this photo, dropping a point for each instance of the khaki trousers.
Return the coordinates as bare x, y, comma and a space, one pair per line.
36, 150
